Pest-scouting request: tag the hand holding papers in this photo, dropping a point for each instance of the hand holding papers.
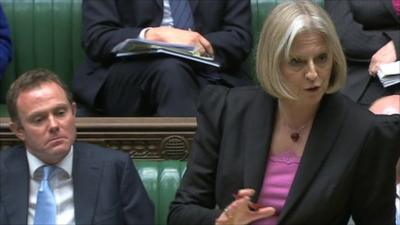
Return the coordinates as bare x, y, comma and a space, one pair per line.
136, 46
389, 74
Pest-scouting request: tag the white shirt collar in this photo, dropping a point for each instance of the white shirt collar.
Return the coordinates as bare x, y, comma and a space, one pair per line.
65, 164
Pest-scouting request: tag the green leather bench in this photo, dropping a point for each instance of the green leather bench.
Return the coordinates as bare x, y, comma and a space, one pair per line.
47, 33
161, 179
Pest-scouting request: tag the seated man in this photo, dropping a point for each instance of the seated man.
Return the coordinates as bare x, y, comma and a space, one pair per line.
5, 43
157, 84
52, 179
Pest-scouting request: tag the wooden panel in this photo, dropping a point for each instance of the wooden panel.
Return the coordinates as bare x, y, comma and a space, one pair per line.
152, 138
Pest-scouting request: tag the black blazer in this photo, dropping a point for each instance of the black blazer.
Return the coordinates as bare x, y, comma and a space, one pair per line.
107, 188
348, 165
225, 23
363, 27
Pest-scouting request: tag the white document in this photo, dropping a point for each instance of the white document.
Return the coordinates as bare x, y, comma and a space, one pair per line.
389, 74
138, 46
133, 43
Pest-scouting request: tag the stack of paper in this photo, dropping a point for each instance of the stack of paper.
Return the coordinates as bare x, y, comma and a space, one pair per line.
389, 74
137, 46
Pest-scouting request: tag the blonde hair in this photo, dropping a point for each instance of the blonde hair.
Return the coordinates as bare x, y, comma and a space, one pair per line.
283, 25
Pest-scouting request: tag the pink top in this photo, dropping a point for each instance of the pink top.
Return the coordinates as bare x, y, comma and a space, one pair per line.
396, 5
278, 180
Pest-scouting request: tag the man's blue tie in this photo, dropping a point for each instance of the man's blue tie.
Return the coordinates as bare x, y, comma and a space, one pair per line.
181, 13
46, 208
397, 217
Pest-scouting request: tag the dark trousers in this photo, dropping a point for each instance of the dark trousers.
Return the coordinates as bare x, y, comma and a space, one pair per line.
156, 86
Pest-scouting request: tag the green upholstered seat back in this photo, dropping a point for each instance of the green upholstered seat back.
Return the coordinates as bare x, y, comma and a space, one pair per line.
161, 179
45, 33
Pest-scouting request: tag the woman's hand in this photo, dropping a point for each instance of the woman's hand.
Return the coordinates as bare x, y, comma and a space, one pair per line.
241, 211
386, 54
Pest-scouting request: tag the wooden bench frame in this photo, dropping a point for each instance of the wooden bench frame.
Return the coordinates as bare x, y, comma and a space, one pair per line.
150, 138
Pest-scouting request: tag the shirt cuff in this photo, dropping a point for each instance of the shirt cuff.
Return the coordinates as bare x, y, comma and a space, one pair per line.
142, 34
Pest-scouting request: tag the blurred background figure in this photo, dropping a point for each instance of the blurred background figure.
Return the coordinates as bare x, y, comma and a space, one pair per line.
390, 105
387, 105
370, 34
5, 43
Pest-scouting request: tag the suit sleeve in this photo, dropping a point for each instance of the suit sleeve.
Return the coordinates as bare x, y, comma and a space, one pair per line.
5, 44
195, 199
374, 192
358, 44
137, 206
103, 29
233, 42
3, 217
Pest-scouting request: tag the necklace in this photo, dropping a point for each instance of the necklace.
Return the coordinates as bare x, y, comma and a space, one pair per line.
295, 132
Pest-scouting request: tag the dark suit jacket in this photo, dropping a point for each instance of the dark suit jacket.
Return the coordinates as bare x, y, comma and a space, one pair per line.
225, 23
364, 27
348, 165
107, 188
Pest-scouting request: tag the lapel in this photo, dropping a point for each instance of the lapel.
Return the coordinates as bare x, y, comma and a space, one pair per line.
389, 6
321, 141
160, 3
86, 175
256, 145
16, 186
